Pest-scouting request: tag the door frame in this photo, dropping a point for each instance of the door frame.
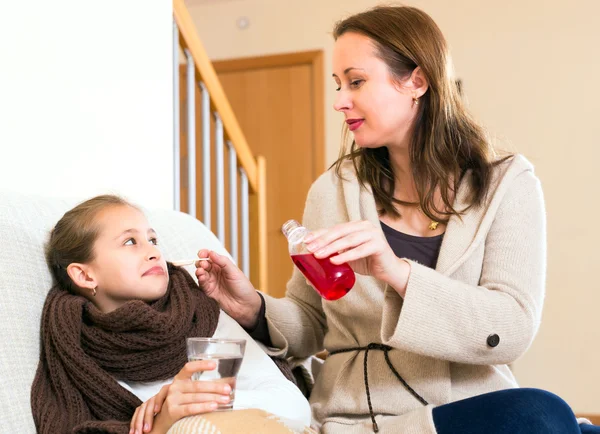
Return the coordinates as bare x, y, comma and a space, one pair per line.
314, 59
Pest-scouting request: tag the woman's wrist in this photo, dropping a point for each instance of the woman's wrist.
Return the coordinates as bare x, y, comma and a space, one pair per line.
248, 314
399, 278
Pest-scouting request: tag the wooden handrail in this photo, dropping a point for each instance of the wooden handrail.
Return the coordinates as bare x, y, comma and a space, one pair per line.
205, 72
255, 168
262, 224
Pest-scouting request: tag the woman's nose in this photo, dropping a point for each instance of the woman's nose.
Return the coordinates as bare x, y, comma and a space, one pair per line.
343, 101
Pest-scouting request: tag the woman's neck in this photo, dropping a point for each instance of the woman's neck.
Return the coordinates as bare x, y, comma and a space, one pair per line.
405, 188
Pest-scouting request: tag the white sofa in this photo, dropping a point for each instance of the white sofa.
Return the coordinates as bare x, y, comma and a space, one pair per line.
25, 221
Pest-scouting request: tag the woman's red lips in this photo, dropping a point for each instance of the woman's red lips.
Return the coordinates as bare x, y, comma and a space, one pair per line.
354, 124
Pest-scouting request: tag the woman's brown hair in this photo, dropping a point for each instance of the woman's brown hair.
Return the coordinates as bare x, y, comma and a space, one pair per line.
73, 237
446, 142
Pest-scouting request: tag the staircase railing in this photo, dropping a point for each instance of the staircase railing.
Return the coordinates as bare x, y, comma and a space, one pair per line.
243, 169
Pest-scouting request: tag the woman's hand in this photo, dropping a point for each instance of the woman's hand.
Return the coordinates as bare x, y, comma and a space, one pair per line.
222, 281
364, 248
183, 397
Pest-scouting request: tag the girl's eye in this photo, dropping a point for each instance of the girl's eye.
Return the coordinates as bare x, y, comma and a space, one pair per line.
130, 242
154, 241
356, 83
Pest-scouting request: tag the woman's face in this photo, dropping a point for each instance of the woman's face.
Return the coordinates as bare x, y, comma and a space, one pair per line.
127, 263
378, 110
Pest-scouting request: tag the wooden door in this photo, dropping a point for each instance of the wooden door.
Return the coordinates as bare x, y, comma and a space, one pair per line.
278, 101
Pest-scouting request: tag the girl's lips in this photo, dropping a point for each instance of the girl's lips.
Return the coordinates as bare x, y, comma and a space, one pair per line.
354, 124
154, 271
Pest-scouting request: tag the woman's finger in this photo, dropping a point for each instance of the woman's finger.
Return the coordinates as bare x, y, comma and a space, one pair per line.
203, 253
221, 261
348, 242
324, 237
313, 235
201, 273
360, 252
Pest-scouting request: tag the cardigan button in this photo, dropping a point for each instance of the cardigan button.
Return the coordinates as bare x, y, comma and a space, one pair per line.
493, 340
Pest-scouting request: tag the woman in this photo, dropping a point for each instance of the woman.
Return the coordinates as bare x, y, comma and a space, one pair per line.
448, 243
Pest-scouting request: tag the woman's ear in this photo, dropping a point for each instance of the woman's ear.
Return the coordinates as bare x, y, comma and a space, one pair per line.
82, 276
418, 82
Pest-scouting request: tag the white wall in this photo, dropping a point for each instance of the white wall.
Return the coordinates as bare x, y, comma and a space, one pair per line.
530, 72
86, 98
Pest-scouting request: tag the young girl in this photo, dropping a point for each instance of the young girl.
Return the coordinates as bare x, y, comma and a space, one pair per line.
114, 329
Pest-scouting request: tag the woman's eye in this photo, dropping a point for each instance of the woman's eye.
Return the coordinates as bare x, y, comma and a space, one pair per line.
356, 83
130, 242
154, 241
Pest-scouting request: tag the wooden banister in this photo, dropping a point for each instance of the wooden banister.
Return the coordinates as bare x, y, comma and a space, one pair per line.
262, 224
254, 168
205, 72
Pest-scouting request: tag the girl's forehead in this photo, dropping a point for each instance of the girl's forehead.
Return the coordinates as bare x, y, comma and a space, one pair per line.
122, 218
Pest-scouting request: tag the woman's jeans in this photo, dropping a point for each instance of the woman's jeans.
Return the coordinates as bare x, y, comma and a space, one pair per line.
512, 411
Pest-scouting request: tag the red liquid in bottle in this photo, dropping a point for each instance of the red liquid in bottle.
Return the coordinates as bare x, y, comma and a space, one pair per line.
330, 280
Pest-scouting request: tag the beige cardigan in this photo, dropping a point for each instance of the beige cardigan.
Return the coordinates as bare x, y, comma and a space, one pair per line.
489, 279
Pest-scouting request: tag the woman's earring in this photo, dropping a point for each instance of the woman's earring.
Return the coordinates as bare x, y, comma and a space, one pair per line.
415, 101
94, 292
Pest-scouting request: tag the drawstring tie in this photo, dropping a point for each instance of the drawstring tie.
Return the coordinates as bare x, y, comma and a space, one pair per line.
385, 349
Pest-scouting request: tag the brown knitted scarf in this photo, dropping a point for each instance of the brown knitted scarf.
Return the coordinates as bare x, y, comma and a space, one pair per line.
84, 352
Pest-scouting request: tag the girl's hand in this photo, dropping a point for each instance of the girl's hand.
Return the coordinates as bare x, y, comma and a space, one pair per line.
183, 397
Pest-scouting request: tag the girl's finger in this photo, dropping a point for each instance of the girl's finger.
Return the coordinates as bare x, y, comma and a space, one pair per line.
198, 408
160, 397
203, 387
149, 415
133, 420
190, 368
139, 420
191, 398
210, 387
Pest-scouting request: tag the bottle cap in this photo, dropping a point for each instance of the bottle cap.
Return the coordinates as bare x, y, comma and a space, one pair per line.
289, 227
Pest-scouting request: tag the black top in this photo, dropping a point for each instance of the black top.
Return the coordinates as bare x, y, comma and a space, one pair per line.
424, 250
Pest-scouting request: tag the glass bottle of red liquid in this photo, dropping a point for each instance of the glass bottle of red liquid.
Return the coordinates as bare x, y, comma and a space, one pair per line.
330, 280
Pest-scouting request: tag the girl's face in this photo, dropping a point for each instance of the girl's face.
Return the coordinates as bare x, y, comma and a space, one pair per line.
127, 263
378, 110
